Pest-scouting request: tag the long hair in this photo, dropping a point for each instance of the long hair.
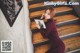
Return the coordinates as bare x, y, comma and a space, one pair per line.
52, 13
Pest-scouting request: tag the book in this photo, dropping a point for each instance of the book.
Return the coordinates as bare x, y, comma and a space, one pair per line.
40, 24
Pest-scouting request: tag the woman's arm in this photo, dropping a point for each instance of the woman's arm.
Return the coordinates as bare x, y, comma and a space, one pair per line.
44, 32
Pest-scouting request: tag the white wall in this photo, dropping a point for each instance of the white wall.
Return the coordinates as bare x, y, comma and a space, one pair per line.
20, 33
28, 33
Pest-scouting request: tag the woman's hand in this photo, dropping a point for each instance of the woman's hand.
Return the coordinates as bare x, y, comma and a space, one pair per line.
37, 26
42, 16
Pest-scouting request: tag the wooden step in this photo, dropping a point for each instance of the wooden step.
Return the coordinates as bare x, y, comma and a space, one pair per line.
37, 37
76, 51
58, 9
58, 0
69, 43
68, 29
72, 43
65, 18
40, 4
36, 1
58, 20
29, 0
62, 37
63, 31
36, 5
42, 49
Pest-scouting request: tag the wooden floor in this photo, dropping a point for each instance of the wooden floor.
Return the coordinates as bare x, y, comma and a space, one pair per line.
41, 4
71, 43
42, 49
58, 20
58, 9
64, 30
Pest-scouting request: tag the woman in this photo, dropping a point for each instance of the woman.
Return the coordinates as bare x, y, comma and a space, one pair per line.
56, 44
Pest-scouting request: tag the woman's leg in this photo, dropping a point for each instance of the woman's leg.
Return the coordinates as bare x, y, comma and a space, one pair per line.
58, 49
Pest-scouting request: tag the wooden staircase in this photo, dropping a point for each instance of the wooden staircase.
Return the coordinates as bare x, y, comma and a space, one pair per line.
67, 23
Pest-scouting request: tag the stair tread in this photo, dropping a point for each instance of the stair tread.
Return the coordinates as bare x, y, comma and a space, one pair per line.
40, 4
57, 9
42, 50
46, 40
69, 47
36, 5
29, 0
37, 37
58, 19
